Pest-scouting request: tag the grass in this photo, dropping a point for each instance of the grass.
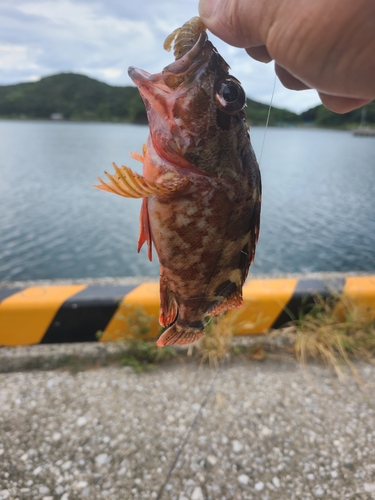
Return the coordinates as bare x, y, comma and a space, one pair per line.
139, 352
144, 355
335, 331
217, 344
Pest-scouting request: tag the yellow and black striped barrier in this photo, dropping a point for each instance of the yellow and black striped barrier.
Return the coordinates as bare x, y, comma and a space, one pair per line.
76, 313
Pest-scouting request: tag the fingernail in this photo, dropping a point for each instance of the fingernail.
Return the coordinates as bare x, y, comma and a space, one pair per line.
207, 8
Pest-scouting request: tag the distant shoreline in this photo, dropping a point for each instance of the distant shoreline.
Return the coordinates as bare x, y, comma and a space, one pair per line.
77, 98
68, 120
348, 128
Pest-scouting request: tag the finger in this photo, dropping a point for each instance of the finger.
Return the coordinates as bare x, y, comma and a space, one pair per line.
239, 23
259, 54
288, 80
342, 105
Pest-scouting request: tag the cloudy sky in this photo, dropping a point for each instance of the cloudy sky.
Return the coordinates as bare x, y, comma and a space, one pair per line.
102, 38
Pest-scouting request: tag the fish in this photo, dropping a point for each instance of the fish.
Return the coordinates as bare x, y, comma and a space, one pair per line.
200, 186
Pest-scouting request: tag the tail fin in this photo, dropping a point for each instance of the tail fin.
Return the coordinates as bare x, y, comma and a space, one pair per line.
181, 334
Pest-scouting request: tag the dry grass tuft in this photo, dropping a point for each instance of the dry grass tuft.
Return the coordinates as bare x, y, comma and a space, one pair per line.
217, 342
335, 331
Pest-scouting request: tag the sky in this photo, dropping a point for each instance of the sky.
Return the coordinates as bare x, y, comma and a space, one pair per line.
102, 38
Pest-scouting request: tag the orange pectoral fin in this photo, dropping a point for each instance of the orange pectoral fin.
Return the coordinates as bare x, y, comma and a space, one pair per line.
129, 184
145, 231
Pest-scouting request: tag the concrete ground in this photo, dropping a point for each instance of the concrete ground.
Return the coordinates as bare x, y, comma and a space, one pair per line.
265, 432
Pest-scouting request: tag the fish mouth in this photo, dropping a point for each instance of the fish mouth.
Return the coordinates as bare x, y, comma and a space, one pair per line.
160, 92
181, 71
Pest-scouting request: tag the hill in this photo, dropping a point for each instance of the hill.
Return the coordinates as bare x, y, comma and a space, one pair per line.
78, 97
322, 117
256, 114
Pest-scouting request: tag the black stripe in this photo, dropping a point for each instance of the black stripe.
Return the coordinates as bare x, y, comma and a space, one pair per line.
303, 297
7, 292
82, 316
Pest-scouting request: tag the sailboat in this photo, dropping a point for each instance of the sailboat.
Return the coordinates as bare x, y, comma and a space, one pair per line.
363, 129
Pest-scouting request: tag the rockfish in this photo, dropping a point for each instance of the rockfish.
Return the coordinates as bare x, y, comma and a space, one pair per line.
201, 185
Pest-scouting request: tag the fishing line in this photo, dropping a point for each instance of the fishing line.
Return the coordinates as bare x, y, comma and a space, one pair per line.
204, 402
268, 119
207, 322
174, 463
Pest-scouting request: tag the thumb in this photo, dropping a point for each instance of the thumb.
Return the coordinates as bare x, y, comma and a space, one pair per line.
237, 22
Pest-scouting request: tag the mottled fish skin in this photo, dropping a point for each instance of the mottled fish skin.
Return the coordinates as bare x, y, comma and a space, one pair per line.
205, 232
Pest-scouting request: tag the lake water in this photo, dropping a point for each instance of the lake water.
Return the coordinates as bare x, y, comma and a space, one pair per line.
318, 211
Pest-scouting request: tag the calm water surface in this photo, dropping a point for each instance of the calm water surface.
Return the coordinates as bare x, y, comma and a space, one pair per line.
318, 210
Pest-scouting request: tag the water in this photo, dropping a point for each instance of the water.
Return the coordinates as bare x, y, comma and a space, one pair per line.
318, 210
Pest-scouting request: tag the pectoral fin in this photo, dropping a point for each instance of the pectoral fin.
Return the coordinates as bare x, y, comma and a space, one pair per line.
129, 184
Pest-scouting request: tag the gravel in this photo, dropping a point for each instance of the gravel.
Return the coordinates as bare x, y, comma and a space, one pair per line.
266, 432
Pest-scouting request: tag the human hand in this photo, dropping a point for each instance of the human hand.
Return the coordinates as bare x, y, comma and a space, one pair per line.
324, 45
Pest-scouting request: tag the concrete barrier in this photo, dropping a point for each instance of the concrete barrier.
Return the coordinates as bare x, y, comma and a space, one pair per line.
78, 312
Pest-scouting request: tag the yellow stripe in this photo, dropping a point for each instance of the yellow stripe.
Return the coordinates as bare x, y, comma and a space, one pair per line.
264, 300
361, 290
26, 315
144, 298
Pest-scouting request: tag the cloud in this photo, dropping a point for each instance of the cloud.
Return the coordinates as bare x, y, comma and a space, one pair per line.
111, 72
81, 35
102, 38
15, 56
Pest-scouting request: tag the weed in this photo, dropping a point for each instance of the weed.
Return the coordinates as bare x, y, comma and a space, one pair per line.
218, 344
217, 341
144, 355
335, 330
140, 353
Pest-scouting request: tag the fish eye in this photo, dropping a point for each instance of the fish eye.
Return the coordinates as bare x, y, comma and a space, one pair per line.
230, 93
230, 96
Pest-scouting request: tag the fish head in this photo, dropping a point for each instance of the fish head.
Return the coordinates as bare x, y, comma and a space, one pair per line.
195, 110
